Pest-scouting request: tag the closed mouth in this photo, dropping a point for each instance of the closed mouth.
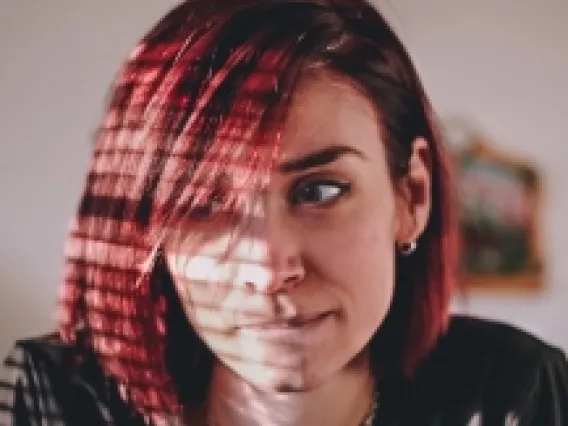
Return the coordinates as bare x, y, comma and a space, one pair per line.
295, 322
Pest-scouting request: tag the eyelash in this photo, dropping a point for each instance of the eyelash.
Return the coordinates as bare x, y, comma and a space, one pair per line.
299, 190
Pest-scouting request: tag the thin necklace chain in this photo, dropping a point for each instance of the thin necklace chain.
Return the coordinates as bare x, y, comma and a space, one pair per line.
371, 417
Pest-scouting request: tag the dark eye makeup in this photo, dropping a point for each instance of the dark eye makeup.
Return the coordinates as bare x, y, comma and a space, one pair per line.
318, 192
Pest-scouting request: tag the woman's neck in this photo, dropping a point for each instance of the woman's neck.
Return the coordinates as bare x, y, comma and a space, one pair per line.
343, 400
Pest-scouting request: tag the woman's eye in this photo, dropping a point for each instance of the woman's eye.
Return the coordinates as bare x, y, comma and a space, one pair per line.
319, 192
205, 210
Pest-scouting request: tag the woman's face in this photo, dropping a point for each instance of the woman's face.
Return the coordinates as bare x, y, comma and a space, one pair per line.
311, 278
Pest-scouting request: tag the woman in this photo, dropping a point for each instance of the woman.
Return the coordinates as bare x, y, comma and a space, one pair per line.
267, 237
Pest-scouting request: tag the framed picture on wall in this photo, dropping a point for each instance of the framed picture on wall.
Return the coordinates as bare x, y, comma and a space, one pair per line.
499, 200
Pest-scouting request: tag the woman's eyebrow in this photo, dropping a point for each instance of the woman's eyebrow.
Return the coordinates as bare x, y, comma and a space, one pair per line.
319, 158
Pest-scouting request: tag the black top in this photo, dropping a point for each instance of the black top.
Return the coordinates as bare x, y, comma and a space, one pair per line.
480, 373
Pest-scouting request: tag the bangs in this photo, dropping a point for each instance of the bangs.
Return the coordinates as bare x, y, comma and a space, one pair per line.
224, 154
212, 131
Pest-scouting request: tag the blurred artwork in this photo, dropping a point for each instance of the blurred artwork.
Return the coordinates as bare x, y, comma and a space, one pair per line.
499, 205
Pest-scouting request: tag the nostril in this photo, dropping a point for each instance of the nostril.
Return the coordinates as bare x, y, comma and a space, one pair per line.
249, 286
293, 277
293, 273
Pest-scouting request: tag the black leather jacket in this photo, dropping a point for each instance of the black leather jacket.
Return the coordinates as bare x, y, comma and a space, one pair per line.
480, 373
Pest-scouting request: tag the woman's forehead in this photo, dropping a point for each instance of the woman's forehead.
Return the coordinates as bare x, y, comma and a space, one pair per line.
329, 110
328, 115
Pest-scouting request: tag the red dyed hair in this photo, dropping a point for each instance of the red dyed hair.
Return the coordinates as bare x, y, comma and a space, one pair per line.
208, 87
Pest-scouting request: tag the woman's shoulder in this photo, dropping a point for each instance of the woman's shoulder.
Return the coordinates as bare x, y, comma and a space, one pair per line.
499, 355
481, 341
48, 348
491, 370
44, 380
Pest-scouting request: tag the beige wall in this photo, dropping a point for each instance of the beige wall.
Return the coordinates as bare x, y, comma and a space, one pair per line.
501, 63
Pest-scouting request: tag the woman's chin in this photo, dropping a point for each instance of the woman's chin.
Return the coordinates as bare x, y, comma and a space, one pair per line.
276, 380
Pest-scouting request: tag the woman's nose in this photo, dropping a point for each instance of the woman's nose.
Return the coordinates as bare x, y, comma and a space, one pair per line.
277, 247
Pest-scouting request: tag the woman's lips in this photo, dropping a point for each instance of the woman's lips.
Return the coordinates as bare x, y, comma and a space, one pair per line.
294, 322
302, 330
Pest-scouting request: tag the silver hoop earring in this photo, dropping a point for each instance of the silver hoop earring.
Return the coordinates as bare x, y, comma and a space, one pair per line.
406, 249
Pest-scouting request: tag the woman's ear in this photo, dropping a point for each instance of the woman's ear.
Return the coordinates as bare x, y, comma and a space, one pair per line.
413, 192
